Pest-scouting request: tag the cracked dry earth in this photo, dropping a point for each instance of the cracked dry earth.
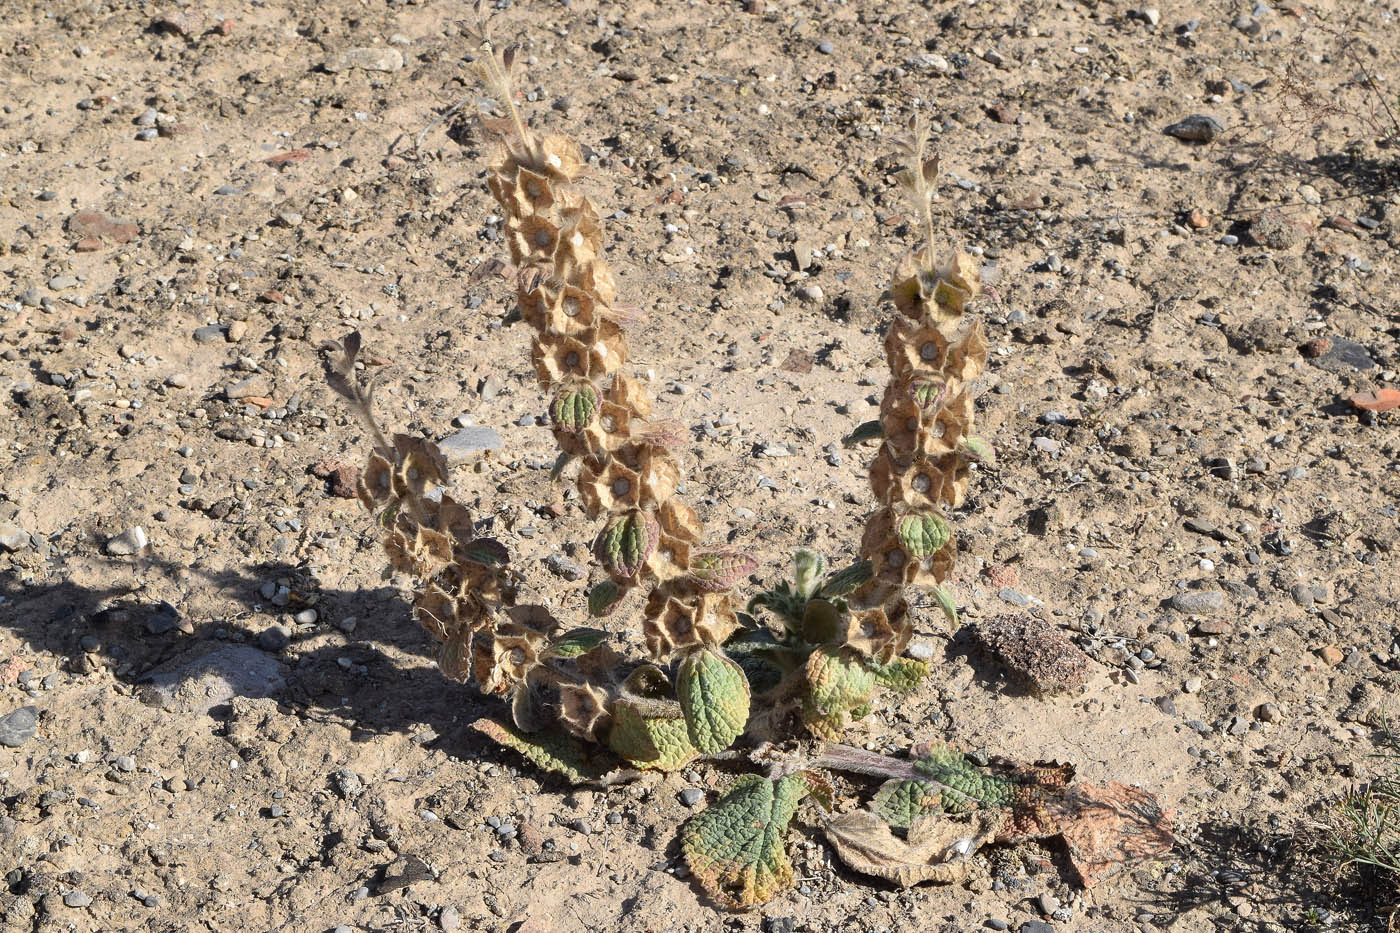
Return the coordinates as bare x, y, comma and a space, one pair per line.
237, 726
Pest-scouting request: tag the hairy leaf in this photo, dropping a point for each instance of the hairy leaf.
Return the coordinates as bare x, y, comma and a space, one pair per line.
945, 602
808, 571
486, 551
735, 847
714, 696
562, 754
576, 641
963, 784
839, 682
936, 849
847, 581
868, 431
978, 450
604, 597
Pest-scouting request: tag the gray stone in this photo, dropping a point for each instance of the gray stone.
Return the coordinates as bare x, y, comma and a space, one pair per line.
212, 674
370, 59
1036, 926
61, 282
1247, 25
1197, 128
1199, 602
76, 899
127, 543
13, 538
30, 298
209, 333
248, 388
449, 919
692, 796
1342, 355
17, 727
468, 442
568, 569
274, 638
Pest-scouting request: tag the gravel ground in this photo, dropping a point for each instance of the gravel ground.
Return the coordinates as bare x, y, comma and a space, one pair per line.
217, 713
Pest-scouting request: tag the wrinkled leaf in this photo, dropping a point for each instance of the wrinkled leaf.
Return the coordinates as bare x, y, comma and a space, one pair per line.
626, 542
900, 803
734, 848
902, 674
868, 431
936, 849
561, 754
965, 786
576, 641
651, 735
839, 683
714, 696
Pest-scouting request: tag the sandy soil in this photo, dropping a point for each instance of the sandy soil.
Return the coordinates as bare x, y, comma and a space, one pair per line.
239, 726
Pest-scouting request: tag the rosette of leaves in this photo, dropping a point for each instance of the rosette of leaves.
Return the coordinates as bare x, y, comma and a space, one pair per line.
822, 659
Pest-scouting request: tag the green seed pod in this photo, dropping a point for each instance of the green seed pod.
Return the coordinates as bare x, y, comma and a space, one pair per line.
604, 597
717, 571
923, 534
575, 407
625, 544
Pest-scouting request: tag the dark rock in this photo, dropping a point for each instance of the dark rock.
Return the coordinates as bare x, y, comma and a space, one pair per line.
1197, 128
18, 727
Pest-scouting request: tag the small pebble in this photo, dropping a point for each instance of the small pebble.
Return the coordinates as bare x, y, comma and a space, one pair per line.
692, 796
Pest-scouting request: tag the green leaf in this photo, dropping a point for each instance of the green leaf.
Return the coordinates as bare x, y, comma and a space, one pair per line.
961, 782
576, 641
929, 394
734, 848
604, 597
868, 431
978, 450
714, 697
899, 803
718, 571
847, 581
821, 622
839, 682
945, 602
551, 751
651, 735
808, 569
574, 408
626, 542
922, 534
486, 551
902, 674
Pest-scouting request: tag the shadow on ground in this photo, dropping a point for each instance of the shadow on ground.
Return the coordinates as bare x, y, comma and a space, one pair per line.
380, 678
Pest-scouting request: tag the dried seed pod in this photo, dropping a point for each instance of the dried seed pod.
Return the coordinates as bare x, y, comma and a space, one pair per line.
680, 616
585, 710
918, 483
680, 521
611, 486
629, 394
